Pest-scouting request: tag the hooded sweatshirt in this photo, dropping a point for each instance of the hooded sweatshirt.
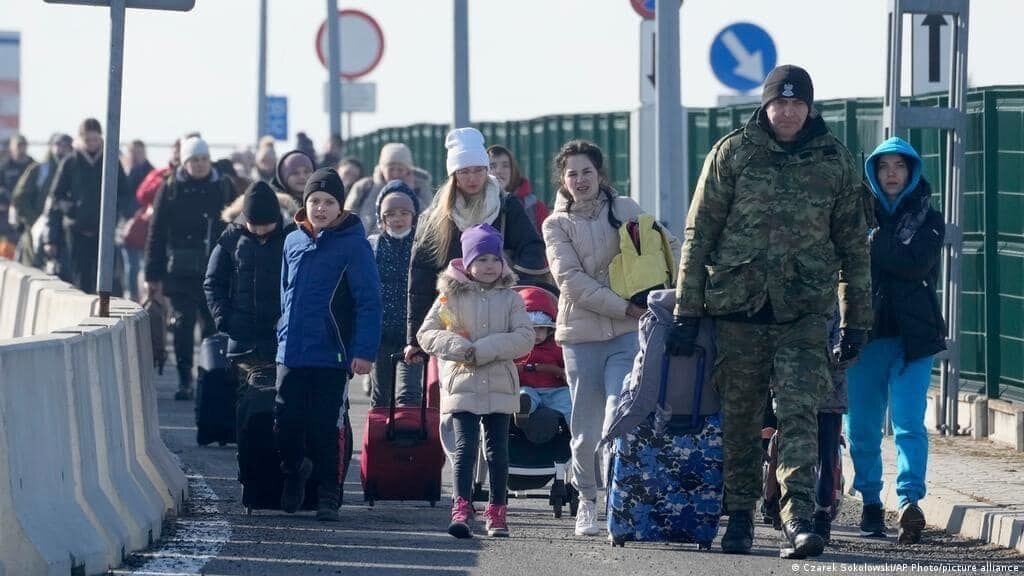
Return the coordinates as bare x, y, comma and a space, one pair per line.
905, 250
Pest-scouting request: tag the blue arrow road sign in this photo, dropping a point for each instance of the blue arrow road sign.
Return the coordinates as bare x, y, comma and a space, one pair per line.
277, 117
742, 55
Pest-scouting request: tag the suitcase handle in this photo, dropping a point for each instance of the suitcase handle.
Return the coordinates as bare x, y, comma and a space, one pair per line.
396, 358
698, 388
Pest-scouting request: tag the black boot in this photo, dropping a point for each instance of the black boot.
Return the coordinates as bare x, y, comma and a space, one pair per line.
294, 491
327, 502
802, 541
184, 384
739, 534
911, 524
821, 524
872, 521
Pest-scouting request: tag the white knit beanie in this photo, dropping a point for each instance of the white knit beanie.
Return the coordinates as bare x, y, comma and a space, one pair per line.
465, 149
194, 146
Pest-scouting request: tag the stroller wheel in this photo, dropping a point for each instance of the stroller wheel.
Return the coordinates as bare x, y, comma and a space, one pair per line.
574, 499
556, 505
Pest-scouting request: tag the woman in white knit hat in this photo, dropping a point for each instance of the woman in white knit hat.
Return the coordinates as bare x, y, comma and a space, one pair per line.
469, 197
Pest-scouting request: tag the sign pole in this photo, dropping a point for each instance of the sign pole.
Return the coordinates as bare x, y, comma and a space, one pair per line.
334, 68
111, 160
461, 117
261, 76
673, 197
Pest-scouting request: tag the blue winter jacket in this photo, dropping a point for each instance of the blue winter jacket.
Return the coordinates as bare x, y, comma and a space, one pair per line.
330, 297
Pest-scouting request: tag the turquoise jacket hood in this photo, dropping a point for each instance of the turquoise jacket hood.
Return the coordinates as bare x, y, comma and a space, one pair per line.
899, 146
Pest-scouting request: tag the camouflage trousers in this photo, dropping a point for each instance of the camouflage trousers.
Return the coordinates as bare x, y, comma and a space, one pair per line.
791, 358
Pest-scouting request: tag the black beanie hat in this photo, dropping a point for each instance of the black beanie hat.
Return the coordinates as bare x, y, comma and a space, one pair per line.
260, 205
788, 81
325, 180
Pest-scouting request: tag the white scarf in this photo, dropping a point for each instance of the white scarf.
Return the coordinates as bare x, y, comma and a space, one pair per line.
466, 217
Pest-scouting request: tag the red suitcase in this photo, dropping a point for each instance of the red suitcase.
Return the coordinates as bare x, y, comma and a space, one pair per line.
402, 456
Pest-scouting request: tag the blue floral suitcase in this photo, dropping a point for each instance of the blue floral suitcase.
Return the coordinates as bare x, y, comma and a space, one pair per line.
666, 480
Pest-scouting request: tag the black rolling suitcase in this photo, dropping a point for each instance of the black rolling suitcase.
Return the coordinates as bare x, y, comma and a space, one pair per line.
259, 465
215, 393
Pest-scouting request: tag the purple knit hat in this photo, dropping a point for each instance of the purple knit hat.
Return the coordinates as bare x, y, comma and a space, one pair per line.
479, 240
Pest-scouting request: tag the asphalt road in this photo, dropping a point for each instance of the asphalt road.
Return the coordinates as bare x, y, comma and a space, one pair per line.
217, 537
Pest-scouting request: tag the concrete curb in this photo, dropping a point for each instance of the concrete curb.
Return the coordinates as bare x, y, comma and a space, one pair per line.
956, 513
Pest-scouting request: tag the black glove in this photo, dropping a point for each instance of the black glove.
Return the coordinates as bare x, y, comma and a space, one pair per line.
683, 336
850, 342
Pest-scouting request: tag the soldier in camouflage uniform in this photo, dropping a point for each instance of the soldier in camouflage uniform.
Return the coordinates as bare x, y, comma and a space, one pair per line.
776, 224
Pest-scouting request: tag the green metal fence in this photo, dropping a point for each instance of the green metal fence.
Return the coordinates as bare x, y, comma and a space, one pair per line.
992, 302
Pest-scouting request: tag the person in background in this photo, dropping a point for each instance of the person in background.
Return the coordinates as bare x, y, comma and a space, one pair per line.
185, 226
505, 168
244, 161
397, 210
291, 174
476, 328
329, 327
894, 369
332, 156
351, 170
15, 165
131, 256
29, 197
75, 194
395, 163
266, 160
305, 145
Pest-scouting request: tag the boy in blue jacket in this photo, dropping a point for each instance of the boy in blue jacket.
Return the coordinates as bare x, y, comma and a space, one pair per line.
329, 328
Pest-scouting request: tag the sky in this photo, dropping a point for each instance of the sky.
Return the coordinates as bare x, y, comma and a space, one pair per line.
528, 58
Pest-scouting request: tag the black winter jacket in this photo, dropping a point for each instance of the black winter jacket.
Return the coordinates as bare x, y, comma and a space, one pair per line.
243, 288
522, 244
186, 224
904, 276
76, 193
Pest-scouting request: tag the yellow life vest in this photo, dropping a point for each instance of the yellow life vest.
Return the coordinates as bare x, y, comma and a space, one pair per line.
635, 268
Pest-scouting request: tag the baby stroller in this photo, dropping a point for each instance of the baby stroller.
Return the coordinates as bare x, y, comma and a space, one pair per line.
539, 453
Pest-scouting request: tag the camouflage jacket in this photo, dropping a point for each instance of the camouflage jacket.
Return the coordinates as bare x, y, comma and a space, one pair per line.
770, 223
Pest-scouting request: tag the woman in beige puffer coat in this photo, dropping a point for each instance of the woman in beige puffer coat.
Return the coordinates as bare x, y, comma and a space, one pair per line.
596, 327
476, 328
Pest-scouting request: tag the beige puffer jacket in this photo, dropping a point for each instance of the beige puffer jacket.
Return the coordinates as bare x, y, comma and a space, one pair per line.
579, 250
494, 322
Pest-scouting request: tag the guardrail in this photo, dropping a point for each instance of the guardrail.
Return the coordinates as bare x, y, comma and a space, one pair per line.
84, 477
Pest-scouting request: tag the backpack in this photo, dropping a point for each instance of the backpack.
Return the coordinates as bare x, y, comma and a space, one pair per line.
639, 397
644, 261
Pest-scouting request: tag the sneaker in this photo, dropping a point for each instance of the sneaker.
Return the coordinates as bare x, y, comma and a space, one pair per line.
586, 518
496, 525
462, 513
739, 534
294, 491
821, 524
184, 394
872, 521
327, 503
911, 524
804, 543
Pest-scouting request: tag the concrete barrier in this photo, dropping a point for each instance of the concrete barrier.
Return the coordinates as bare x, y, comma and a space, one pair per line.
84, 477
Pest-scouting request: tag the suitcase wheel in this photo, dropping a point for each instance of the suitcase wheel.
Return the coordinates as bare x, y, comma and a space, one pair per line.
433, 503
703, 545
369, 502
557, 506
617, 542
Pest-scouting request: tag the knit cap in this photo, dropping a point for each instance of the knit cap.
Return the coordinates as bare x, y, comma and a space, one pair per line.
788, 81
479, 240
260, 205
465, 149
325, 180
395, 153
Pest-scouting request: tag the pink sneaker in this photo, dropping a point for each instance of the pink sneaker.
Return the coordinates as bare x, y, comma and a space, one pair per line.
462, 513
496, 525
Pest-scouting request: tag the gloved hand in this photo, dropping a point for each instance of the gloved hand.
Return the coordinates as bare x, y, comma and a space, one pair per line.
850, 342
683, 337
